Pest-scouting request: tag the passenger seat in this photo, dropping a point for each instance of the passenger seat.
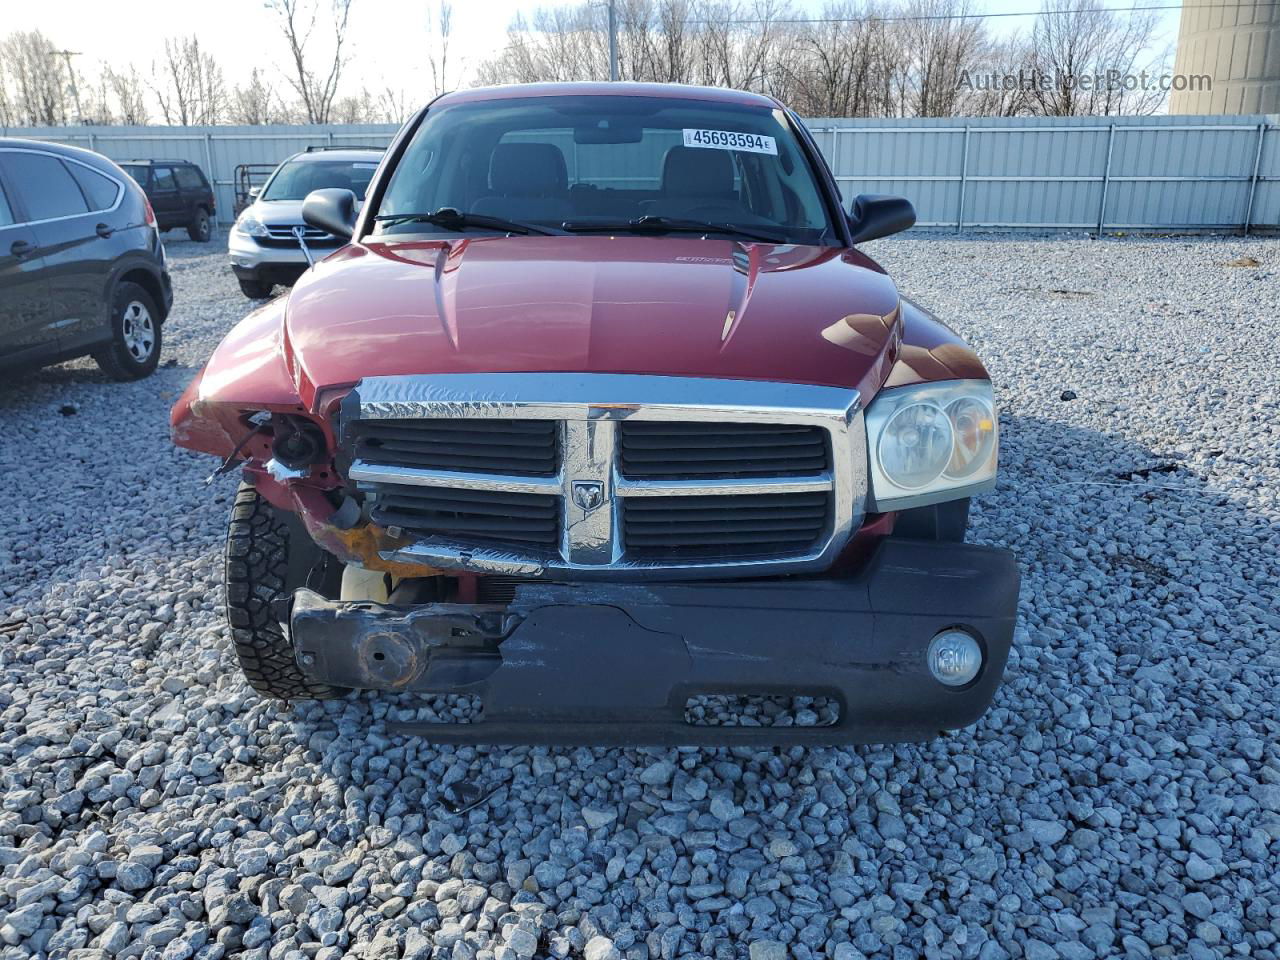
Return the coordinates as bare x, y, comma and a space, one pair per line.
528, 181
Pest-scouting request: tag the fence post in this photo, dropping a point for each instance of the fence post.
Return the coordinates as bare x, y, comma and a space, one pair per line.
1106, 180
93, 145
964, 173
208, 165
1253, 180
835, 155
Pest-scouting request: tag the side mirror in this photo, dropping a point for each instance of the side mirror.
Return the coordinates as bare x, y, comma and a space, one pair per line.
254, 192
332, 210
873, 216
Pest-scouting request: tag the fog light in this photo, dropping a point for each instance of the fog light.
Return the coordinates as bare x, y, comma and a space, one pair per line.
954, 657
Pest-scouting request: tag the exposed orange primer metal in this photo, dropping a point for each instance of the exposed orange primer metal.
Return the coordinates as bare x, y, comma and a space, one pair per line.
362, 544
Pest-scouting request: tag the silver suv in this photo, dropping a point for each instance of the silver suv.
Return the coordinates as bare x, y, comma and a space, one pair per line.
263, 244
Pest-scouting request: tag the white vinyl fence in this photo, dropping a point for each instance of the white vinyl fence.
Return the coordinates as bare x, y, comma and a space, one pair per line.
1178, 173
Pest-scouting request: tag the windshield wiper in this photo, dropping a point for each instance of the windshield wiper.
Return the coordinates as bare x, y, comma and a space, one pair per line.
658, 224
452, 219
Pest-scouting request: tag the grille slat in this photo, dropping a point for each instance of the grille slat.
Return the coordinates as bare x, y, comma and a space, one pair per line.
520, 447
723, 527
527, 519
689, 450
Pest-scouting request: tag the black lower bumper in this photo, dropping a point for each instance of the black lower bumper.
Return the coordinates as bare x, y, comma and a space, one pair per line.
617, 663
284, 274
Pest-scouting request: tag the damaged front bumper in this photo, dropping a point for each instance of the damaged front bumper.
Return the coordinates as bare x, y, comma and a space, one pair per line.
617, 663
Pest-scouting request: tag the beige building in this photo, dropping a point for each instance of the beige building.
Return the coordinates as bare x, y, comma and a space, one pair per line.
1237, 45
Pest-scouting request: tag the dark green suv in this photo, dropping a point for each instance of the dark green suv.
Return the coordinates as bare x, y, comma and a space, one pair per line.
179, 193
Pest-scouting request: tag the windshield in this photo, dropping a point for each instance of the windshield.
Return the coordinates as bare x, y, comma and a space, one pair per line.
608, 160
295, 179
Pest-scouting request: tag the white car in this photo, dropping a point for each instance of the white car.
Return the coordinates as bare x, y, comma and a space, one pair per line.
263, 244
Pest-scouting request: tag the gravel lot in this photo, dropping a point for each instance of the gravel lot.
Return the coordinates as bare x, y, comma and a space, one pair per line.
1122, 798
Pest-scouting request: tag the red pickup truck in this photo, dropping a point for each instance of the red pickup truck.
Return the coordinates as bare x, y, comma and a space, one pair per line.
600, 410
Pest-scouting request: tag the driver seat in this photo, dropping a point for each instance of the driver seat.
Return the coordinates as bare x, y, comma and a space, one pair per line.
695, 177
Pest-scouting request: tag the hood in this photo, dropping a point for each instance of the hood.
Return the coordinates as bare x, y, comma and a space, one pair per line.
285, 212
675, 306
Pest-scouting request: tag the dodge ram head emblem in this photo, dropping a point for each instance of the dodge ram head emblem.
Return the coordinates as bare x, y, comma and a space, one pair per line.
588, 494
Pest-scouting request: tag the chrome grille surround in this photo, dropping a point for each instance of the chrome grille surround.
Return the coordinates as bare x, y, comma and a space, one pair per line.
589, 408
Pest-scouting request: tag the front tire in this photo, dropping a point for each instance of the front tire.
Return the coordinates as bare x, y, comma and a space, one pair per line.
255, 289
134, 349
200, 229
256, 574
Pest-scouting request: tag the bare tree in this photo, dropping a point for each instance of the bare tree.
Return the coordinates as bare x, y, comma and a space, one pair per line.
35, 79
394, 105
188, 83
96, 99
316, 88
855, 58
357, 108
831, 67
1083, 59
127, 88
940, 40
7, 113
439, 28
255, 102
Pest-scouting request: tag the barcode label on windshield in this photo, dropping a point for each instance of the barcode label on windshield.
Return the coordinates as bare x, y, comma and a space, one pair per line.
730, 140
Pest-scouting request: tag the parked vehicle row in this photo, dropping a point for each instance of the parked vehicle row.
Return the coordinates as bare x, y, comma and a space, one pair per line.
82, 267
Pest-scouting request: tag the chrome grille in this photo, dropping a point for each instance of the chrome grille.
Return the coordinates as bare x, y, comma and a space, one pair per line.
606, 474
284, 231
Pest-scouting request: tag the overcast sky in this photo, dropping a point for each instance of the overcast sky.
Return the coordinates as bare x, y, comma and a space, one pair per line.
388, 37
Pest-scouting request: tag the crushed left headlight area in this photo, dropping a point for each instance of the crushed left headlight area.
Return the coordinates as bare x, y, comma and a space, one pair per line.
618, 663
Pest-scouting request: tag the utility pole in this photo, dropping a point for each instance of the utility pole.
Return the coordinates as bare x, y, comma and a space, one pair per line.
71, 78
613, 40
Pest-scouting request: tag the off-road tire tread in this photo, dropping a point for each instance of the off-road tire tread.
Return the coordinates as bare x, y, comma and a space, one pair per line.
257, 564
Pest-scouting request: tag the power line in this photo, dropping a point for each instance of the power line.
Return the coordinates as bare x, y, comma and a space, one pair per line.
989, 16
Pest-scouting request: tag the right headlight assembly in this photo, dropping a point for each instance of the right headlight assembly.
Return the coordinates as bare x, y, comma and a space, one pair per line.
250, 227
931, 442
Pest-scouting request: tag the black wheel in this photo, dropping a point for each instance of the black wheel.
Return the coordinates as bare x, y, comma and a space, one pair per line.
134, 350
255, 289
200, 229
257, 573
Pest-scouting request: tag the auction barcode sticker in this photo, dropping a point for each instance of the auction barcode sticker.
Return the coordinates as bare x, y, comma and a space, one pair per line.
730, 140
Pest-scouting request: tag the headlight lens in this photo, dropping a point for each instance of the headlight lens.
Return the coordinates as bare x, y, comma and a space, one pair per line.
973, 423
916, 445
251, 227
931, 442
